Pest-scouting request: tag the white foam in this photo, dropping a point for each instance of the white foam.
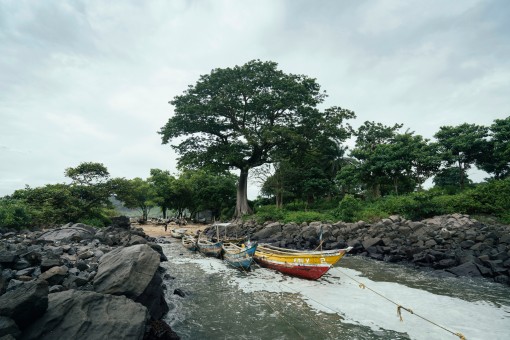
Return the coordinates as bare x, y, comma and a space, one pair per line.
476, 320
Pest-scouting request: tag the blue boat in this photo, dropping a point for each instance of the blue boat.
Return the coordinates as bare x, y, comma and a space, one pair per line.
251, 247
238, 257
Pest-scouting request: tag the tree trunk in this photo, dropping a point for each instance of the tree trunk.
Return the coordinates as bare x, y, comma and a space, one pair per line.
395, 185
461, 170
242, 207
163, 209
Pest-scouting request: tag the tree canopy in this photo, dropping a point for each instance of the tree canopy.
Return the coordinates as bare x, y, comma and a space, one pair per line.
246, 116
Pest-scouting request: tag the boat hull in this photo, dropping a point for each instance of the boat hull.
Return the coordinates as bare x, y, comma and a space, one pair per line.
305, 264
238, 257
310, 272
241, 260
213, 249
189, 243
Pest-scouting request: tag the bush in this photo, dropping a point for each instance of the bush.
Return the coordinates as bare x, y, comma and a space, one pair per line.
14, 214
268, 213
348, 209
371, 215
306, 216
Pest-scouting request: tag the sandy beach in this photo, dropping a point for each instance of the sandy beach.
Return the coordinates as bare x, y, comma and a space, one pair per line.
159, 230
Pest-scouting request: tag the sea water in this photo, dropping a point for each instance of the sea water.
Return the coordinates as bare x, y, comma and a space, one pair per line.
224, 303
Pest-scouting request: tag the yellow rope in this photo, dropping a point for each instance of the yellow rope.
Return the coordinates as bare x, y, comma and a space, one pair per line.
400, 307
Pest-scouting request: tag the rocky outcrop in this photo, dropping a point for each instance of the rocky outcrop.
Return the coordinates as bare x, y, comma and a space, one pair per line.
78, 258
454, 243
76, 314
132, 271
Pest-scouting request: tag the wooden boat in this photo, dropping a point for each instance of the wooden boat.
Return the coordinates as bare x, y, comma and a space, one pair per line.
177, 233
238, 257
301, 263
189, 242
209, 248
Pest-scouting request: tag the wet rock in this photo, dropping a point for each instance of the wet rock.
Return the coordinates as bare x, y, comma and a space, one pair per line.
100, 317
466, 269
160, 330
179, 292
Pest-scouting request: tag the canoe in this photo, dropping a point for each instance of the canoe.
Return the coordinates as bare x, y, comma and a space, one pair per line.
189, 242
209, 248
177, 233
238, 257
300, 263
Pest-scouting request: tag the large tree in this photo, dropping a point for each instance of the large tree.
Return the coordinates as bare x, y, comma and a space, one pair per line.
246, 116
462, 145
496, 160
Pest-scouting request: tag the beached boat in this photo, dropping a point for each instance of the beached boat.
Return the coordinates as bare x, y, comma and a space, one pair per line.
301, 263
189, 242
238, 257
177, 233
209, 248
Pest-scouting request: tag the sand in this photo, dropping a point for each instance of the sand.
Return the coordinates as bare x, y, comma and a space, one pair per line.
159, 230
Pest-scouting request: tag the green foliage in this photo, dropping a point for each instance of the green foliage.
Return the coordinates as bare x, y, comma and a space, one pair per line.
247, 116
306, 216
14, 214
349, 208
268, 213
88, 173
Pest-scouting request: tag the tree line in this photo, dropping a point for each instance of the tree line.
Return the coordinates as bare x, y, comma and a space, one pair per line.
88, 198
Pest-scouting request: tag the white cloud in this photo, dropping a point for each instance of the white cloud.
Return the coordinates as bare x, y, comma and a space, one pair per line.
91, 80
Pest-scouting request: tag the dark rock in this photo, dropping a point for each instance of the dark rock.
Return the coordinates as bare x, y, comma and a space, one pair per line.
126, 271
160, 330
153, 298
8, 326
121, 222
370, 242
8, 259
502, 279
179, 292
25, 303
74, 233
33, 256
467, 244
21, 264
268, 231
466, 269
13, 284
445, 263
80, 315
50, 262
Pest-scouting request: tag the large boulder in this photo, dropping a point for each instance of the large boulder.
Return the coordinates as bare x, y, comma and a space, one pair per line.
25, 303
86, 315
75, 232
268, 232
126, 271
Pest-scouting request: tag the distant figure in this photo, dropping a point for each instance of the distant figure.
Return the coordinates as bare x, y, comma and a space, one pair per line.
166, 226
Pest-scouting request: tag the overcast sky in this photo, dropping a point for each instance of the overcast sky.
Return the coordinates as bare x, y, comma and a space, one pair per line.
90, 81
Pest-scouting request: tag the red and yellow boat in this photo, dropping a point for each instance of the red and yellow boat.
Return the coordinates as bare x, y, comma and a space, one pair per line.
301, 263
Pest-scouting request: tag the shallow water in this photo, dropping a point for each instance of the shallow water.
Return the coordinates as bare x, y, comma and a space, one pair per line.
225, 303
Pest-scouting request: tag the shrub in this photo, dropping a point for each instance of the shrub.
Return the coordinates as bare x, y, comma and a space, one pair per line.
348, 209
268, 213
14, 214
306, 216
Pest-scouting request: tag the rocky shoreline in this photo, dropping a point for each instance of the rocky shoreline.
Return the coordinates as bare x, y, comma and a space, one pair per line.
81, 282
452, 245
